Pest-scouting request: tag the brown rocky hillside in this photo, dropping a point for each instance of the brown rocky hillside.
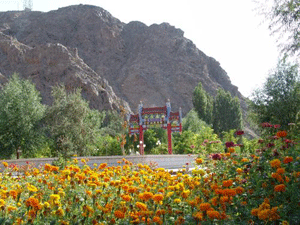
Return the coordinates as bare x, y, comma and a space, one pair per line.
112, 61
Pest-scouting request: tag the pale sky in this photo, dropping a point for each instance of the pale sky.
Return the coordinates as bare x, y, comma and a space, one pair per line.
229, 31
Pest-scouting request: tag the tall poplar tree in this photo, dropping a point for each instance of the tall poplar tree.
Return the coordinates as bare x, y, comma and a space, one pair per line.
227, 112
202, 102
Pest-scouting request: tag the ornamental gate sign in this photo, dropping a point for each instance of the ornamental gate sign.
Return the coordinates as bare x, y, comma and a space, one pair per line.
148, 118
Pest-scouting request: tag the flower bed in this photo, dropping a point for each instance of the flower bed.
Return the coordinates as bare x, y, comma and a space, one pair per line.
261, 188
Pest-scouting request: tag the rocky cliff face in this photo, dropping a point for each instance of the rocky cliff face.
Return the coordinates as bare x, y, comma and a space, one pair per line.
141, 63
53, 64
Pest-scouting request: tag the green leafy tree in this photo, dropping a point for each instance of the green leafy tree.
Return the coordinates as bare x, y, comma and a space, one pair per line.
284, 19
72, 124
278, 101
192, 122
184, 143
20, 114
202, 103
227, 112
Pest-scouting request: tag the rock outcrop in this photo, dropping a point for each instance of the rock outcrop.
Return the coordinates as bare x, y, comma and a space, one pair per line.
141, 63
54, 64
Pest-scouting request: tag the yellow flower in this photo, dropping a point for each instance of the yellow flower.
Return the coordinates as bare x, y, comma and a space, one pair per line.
5, 164
177, 200
32, 188
239, 170
2, 202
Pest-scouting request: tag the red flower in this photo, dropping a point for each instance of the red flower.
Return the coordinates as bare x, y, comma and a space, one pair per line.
216, 156
239, 132
229, 144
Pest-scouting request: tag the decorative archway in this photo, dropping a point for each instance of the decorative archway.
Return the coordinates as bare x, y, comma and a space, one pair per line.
148, 118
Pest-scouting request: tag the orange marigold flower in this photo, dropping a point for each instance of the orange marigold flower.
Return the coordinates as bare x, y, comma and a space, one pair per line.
254, 212
245, 160
199, 161
157, 220
229, 192
214, 201
263, 214
288, 159
212, 214
33, 202
13, 194
231, 150
158, 197
146, 195
5, 164
198, 216
244, 203
279, 188
239, 190
275, 163
204, 206
119, 214
126, 198
102, 166
280, 170
141, 206
227, 183
281, 133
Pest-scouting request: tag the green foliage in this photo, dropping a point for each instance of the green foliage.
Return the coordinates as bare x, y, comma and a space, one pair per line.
284, 19
72, 124
112, 124
183, 143
278, 101
227, 112
202, 103
192, 122
20, 114
106, 145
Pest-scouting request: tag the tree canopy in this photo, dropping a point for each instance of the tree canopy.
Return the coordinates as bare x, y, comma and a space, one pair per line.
278, 101
227, 112
21, 111
72, 124
284, 19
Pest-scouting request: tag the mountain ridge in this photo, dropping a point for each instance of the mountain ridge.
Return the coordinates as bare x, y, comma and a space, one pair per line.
139, 62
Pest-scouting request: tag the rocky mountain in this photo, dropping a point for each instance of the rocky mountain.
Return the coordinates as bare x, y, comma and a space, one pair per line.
86, 46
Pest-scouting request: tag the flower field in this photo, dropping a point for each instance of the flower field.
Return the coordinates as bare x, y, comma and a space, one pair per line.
225, 188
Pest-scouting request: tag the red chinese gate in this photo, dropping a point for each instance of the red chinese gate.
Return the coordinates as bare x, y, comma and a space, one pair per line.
156, 116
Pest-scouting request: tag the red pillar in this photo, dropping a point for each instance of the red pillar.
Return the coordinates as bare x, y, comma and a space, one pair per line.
180, 128
169, 138
141, 142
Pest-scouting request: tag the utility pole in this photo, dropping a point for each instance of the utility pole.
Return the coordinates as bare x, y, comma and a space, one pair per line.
27, 5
